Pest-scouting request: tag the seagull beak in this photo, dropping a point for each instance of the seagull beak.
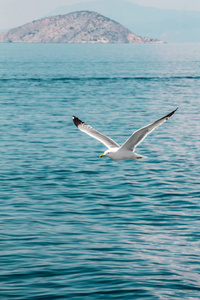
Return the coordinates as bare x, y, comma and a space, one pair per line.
102, 155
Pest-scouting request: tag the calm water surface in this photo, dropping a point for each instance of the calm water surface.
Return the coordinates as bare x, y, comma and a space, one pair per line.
74, 226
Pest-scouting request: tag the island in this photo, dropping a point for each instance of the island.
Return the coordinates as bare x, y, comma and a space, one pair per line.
76, 27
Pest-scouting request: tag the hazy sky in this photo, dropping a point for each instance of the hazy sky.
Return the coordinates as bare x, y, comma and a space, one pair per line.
17, 12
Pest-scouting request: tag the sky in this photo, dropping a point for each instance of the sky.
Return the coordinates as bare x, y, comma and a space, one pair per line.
18, 12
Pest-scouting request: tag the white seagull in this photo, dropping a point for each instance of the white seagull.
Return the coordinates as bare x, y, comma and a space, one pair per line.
126, 151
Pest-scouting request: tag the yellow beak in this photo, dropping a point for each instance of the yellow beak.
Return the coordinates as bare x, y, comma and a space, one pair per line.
102, 155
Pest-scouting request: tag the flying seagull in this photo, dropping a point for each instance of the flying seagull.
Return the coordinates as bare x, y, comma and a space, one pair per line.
126, 151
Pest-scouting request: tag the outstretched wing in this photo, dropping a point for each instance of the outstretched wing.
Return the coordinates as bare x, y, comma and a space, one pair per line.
138, 136
109, 143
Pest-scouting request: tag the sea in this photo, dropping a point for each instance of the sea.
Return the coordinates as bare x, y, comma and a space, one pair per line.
76, 226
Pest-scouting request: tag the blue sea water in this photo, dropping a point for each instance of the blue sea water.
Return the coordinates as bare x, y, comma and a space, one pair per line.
76, 226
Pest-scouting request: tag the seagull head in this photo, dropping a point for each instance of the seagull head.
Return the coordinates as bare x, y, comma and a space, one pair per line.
106, 153
109, 152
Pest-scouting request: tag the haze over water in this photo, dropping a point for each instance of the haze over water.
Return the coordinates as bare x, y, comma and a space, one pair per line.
76, 226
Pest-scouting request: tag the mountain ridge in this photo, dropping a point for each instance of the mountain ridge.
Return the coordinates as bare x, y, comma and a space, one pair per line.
164, 24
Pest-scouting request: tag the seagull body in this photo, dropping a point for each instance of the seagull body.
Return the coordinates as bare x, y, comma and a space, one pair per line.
120, 154
127, 150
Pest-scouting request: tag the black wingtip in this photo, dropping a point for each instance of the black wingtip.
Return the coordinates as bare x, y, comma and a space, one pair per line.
171, 113
175, 109
76, 121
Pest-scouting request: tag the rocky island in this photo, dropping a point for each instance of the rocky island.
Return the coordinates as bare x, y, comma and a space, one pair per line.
75, 27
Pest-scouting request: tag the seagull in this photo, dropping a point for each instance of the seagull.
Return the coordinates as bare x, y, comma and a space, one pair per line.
127, 150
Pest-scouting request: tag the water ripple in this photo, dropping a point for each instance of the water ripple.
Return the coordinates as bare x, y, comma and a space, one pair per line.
74, 226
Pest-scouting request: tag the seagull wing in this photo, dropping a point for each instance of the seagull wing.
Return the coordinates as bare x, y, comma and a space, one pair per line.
109, 143
138, 136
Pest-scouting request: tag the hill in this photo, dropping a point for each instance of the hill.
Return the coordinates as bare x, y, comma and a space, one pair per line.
75, 27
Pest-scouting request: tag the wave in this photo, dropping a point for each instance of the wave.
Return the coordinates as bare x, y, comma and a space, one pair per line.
63, 79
